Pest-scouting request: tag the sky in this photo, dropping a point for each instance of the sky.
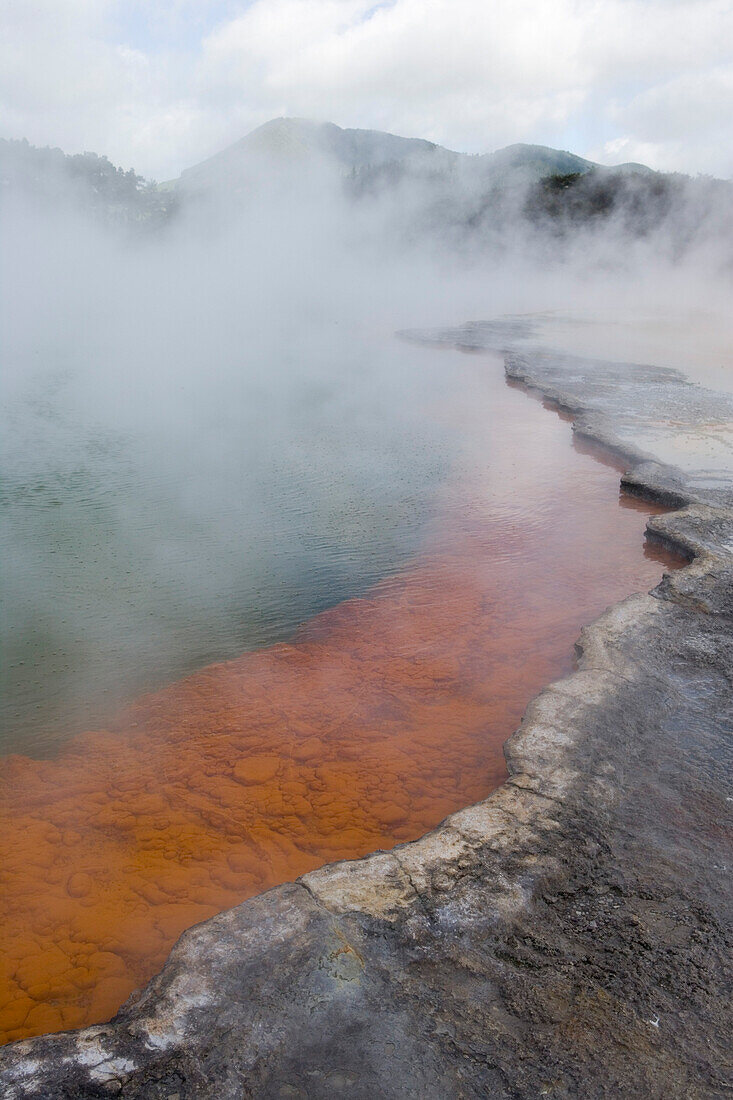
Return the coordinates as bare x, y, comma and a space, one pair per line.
159, 85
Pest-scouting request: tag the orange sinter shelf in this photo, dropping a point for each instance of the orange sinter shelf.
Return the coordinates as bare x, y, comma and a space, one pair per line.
378, 719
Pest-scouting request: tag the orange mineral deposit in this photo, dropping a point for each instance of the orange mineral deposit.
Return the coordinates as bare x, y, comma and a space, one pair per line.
379, 718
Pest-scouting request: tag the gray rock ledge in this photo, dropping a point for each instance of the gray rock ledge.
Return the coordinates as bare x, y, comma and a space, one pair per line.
567, 937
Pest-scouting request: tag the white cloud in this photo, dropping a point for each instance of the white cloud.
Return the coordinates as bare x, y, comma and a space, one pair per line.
463, 73
161, 85
682, 121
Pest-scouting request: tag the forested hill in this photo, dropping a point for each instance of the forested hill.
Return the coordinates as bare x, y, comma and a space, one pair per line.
413, 190
84, 181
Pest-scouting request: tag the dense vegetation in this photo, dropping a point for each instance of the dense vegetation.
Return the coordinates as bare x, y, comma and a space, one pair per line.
83, 180
641, 200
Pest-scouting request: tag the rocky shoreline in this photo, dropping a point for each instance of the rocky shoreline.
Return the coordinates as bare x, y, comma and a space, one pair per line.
570, 936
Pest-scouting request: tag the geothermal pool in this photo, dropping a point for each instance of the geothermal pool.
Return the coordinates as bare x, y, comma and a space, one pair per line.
438, 553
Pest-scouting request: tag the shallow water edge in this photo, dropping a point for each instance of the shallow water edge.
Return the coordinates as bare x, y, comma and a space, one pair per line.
374, 722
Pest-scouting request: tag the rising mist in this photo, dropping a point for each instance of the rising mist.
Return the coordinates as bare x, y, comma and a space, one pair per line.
210, 432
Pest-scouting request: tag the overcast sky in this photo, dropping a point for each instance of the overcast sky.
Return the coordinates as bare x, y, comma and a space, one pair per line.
160, 84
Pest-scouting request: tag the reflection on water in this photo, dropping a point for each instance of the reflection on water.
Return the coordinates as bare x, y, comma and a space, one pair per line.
379, 717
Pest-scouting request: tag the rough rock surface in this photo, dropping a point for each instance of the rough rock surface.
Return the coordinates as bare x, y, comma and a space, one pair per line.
569, 936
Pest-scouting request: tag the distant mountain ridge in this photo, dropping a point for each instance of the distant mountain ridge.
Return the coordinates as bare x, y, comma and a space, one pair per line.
292, 142
406, 191
418, 190
292, 138
285, 147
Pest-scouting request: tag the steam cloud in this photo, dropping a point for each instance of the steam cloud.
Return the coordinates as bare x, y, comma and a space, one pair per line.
203, 398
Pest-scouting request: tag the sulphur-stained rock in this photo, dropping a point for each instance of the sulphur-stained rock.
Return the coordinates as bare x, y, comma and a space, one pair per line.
569, 936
